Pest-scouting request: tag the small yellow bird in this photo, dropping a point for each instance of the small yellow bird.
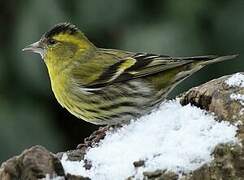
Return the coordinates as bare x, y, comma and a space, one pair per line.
107, 86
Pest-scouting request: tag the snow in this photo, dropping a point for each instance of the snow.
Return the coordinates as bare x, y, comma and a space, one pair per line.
238, 97
236, 80
72, 167
48, 177
174, 137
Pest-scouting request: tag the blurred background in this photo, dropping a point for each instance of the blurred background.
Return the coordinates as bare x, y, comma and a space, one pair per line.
29, 113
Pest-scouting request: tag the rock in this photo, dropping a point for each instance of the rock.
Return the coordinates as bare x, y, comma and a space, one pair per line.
34, 163
160, 175
72, 177
139, 163
213, 96
227, 164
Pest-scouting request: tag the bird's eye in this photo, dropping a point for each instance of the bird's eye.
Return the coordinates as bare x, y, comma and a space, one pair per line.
52, 41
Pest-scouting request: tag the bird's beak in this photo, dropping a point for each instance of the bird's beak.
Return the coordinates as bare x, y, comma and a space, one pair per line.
36, 47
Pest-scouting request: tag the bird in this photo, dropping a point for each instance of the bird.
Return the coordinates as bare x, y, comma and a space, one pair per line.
109, 86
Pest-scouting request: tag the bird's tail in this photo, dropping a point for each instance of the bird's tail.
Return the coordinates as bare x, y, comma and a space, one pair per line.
216, 59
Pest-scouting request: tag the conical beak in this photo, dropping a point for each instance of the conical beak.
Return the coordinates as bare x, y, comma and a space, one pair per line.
36, 47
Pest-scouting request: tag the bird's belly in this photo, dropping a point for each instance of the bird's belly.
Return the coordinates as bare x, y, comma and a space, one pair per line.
112, 104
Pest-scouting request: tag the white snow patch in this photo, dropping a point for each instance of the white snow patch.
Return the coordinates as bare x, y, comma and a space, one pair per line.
241, 112
48, 177
174, 137
239, 123
238, 97
236, 80
72, 167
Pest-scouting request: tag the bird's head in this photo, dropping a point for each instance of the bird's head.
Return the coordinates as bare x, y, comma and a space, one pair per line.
63, 41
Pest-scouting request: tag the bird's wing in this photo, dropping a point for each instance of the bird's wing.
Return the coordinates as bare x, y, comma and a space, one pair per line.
139, 65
